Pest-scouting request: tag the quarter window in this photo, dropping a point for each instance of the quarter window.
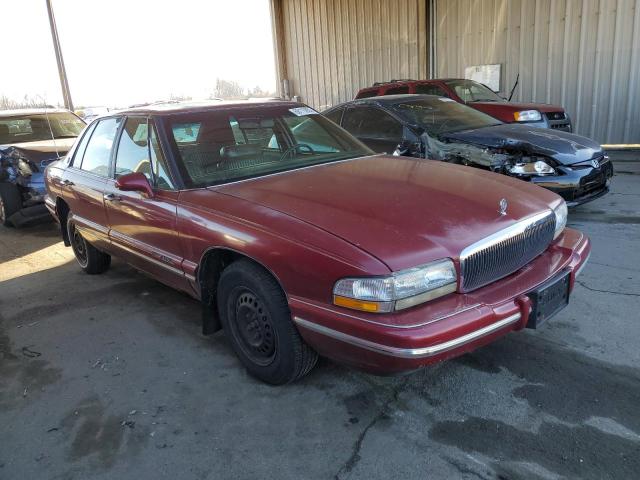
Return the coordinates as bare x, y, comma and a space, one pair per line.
97, 156
82, 146
371, 123
133, 149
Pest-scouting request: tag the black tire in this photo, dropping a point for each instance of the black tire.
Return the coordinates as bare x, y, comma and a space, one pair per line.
256, 319
10, 202
90, 259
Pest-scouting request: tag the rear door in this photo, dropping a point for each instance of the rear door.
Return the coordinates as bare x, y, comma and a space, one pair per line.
143, 228
374, 127
83, 182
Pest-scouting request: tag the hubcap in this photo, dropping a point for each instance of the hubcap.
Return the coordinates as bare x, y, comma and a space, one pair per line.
79, 247
253, 328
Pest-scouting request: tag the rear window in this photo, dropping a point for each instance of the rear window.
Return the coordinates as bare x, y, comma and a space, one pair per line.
430, 89
397, 90
367, 94
221, 146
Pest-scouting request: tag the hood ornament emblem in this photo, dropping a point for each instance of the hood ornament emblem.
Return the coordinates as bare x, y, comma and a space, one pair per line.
503, 206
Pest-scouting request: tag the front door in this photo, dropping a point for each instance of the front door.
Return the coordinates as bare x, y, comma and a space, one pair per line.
142, 228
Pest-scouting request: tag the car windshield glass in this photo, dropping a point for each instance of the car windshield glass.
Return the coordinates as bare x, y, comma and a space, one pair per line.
34, 128
221, 146
470, 91
438, 115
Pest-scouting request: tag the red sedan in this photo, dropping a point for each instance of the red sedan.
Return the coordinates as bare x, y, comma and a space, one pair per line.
298, 241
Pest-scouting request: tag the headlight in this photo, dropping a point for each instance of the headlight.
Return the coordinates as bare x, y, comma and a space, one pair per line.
527, 116
397, 291
562, 213
535, 168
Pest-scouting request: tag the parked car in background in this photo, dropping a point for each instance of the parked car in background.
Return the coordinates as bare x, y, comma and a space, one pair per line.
478, 96
299, 241
89, 113
437, 128
29, 141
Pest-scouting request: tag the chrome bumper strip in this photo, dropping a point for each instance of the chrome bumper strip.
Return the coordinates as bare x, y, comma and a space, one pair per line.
423, 352
579, 271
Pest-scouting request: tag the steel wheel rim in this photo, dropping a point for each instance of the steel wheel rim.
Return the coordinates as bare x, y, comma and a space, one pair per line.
79, 246
252, 328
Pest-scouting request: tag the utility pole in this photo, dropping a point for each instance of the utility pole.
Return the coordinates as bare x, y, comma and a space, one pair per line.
64, 83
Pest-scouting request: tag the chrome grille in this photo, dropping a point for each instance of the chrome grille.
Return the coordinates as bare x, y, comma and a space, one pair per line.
506, 251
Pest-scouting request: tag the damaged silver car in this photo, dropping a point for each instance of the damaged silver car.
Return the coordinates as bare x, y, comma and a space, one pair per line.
29, 141
438, 128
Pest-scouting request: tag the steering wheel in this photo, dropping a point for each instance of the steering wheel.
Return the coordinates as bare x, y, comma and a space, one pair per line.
295, 148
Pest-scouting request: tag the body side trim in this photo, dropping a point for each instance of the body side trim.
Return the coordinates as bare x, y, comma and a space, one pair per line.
423, 352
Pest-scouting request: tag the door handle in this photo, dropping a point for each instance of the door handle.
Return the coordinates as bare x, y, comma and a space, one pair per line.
67, 183
112, 197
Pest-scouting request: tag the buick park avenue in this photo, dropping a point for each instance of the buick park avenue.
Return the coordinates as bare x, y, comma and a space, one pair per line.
298, 241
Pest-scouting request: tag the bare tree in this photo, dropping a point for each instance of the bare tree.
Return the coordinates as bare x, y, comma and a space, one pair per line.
7, 103
258, 92
228, 89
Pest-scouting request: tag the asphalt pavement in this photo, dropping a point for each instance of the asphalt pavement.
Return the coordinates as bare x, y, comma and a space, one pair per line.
108, 377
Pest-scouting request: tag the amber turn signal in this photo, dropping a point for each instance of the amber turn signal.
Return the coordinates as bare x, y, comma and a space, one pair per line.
356, 304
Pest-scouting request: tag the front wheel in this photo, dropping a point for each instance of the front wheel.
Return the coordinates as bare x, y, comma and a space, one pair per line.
10, 202
257, 321
92, 260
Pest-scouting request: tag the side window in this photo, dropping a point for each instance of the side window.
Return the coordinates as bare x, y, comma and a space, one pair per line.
159, 163
98, 152
335, 116
133, 149
82, 146
397, 90
371, 122
430, 89
368, 94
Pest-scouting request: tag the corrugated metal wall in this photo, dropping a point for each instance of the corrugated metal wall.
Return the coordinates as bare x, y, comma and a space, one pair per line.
334, 47
582, 54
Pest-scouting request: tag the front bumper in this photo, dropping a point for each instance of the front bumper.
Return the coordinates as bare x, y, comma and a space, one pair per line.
438, 330
578, 186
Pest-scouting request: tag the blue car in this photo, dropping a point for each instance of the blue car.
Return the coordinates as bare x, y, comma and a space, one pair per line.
29, 141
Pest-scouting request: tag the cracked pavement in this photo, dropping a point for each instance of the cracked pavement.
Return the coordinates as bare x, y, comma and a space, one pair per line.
108, 377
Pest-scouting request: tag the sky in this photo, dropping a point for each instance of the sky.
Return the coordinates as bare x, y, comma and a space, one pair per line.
121, 52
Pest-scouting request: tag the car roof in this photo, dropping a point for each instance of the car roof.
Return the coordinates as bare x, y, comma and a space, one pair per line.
203, 106
386, 100
31, 111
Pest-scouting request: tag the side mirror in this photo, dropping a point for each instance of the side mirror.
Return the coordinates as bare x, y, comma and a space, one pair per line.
134, 182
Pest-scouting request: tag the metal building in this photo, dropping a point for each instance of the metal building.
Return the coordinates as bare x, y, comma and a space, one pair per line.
581, 54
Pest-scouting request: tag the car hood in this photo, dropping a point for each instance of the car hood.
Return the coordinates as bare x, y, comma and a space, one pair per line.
44, 148
565, 148
402, 210
516, 107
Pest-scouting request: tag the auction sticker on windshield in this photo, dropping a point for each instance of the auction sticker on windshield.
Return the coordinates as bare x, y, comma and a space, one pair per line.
301, 111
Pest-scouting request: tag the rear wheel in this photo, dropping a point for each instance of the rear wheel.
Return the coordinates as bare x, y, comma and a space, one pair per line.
256, 319
91, 260
10, 202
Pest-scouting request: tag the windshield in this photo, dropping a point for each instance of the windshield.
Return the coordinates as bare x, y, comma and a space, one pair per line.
34, 128
225, 145
438, 115
470, 91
